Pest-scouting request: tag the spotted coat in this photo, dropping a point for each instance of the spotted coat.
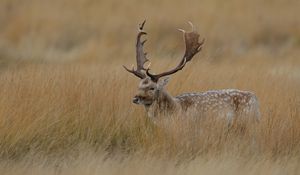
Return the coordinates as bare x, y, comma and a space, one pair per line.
229, 103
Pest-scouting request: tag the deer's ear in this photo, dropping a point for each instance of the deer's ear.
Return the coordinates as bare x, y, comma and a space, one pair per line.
163, 82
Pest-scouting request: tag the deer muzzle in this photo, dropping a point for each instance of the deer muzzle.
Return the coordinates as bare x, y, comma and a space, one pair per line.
135, 100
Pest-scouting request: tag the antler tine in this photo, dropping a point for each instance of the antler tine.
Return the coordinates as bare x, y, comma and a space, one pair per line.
140, 54
181, 30
142, 25
192, 47
192, 25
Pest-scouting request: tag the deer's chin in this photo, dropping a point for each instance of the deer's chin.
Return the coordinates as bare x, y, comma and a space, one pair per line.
147, 104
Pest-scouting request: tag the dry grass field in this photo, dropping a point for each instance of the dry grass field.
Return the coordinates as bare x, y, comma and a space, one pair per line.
65, 105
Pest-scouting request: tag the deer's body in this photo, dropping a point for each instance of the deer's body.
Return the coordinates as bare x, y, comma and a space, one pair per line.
231, 104
228, 103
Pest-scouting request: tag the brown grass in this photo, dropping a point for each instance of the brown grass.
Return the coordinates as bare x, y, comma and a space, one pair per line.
66, 108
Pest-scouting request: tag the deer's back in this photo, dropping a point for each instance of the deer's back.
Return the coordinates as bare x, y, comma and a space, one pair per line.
227, 102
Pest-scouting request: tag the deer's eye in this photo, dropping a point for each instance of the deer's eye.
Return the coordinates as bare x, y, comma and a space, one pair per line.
152, 89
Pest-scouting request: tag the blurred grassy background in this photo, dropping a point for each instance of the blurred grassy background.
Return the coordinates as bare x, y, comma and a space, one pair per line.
65, 104
104, 31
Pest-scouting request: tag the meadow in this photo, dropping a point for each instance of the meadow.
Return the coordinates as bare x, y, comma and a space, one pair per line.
65, 105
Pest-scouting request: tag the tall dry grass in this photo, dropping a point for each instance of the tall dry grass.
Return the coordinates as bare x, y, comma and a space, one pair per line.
60, 111
66, 108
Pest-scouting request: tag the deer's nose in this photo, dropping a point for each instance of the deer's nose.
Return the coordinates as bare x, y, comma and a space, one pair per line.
135, 100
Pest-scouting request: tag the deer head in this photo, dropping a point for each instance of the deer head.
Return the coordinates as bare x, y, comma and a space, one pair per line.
149, 91
151, 87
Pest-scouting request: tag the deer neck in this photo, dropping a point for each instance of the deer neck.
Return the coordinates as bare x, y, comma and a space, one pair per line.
164, 104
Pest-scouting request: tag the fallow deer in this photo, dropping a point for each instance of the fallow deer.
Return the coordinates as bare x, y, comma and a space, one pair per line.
228, 103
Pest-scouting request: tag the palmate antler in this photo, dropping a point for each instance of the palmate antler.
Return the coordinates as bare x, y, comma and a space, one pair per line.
192, 47
140, 54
